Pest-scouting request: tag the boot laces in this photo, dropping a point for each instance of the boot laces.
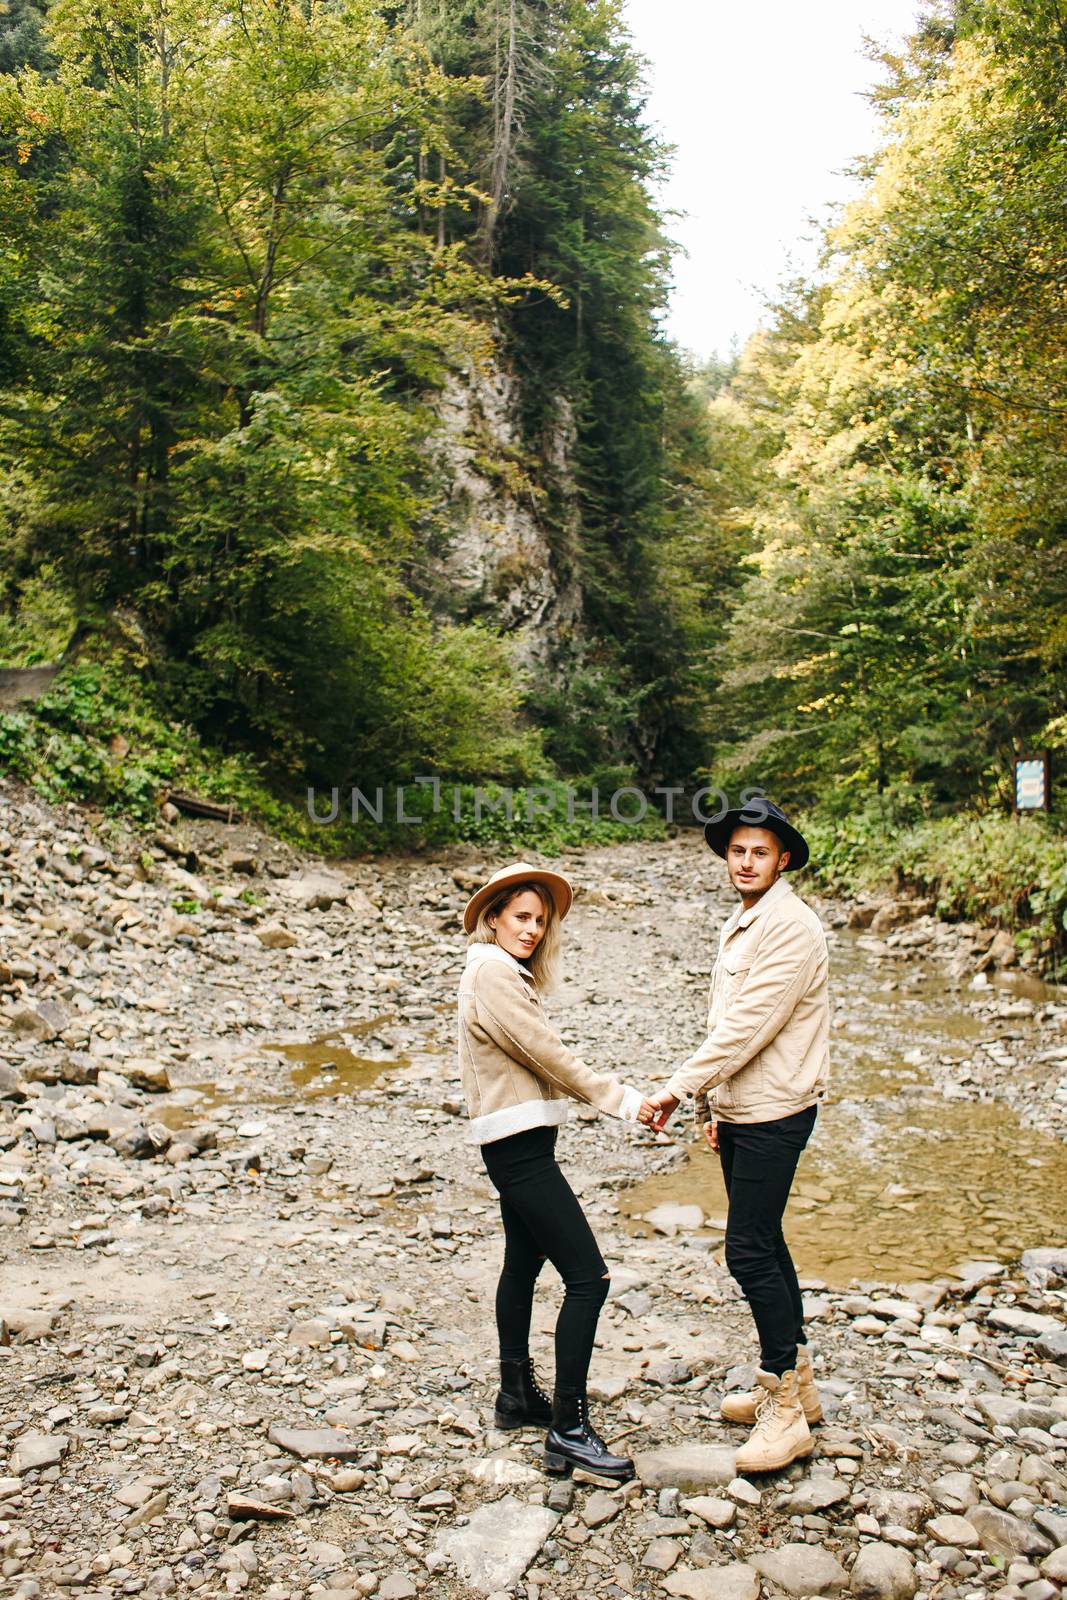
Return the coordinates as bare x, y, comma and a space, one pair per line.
587, 1427
534, 1385
768, 1407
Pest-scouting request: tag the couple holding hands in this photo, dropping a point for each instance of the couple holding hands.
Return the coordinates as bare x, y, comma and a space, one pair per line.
756, 1083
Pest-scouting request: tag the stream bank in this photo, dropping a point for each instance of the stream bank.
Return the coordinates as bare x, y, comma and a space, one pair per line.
248, 1253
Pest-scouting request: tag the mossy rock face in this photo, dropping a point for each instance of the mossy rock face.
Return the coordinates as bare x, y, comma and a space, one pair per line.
24, 685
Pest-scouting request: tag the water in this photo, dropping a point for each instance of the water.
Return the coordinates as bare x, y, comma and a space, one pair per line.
330, 1064
899, 1182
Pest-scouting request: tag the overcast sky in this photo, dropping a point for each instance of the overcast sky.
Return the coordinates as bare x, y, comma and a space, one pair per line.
765, 104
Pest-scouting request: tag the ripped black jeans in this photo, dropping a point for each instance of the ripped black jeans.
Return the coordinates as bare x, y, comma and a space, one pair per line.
543, 1220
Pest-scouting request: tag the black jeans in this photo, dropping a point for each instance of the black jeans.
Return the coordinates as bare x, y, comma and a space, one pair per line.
543, 1219
759, 1160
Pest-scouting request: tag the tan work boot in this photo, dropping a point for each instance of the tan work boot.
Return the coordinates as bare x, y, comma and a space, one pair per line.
781, 1432
742, 1407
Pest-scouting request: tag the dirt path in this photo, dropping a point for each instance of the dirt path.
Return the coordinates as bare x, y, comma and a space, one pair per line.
236, 1199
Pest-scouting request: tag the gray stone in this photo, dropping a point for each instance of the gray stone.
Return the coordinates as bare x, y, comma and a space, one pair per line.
1008, 1413
815, 1494
316, 1444
560, 1496
600, 1508
1001, 1534
1053, 1346
397, 1586
802, 1569
498, 1543
1054, 1566
661, 1555
955, 1491
247, 1508
949, 1529
716, 1513
883, 1572
143, 1073
35, 1451
738, 1581
1053, 1523
1045, 1265
689, 1467
669, 1218
28, 1326
152, 1508
900, 1506
1014, 1320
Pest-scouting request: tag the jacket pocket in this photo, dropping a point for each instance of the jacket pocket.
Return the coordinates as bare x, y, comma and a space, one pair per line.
744, 1088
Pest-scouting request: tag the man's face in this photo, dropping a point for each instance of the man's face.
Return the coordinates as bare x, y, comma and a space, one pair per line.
754, 858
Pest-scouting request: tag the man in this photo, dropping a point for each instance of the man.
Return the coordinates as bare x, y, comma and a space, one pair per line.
757, 1080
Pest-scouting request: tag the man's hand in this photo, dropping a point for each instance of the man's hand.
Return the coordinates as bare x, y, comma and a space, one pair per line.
647, 1113
711, 1134
664, 1106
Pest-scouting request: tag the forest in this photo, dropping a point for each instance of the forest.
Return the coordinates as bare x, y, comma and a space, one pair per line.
256, 260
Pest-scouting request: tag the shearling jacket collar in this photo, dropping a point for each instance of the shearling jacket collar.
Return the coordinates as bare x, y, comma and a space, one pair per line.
477, 953
517, 1072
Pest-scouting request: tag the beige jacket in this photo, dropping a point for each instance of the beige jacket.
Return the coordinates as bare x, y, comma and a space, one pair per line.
517, 1073
767, 1051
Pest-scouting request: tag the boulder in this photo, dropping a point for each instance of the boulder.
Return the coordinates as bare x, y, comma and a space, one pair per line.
35, 1451
689, 1467
801, 1569
497, 1545
737, 1581
1001, 1534
883, 1572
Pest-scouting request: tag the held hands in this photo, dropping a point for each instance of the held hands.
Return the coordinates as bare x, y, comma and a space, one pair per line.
663, 1107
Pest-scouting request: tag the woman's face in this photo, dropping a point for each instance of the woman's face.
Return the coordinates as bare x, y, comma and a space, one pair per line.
520, 927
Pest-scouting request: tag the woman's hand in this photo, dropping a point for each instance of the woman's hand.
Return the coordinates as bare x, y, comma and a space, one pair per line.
647, 1113
664, 1106
711, 1134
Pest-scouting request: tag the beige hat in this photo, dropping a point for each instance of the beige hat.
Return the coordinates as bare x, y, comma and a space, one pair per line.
523, 872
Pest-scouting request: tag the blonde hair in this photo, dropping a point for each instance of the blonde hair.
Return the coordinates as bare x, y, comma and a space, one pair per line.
544, 964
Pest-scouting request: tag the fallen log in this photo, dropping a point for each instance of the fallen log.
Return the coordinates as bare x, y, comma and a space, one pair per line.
195, 805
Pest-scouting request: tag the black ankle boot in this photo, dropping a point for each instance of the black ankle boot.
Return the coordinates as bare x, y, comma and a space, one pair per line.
573, 1442
521, 1403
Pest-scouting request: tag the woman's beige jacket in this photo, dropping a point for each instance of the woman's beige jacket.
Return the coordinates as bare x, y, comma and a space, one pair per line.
767, 1051
517, 1073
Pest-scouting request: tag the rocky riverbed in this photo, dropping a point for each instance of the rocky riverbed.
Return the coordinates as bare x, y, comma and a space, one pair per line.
248, 1255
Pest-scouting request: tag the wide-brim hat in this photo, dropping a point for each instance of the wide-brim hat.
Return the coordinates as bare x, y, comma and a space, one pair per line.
522, 872
759, 813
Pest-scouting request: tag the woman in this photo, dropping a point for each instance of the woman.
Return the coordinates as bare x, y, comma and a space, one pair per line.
518, 1078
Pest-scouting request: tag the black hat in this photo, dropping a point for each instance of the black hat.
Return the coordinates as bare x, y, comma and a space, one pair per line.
759, 812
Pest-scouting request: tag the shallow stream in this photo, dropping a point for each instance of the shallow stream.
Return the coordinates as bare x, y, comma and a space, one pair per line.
909, 1174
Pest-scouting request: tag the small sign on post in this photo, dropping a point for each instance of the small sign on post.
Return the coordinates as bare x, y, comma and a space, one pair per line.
1033, 782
